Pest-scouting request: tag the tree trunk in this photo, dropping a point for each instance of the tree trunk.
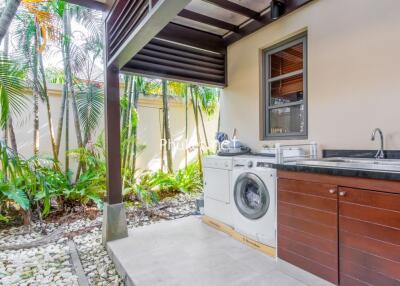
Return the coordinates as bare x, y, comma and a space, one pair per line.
12, 135
61, 118
67, 33
162, 145
68, 78
45, 96
129, 118
135, 105
167, 129
196, 119
186, 127
7, 16
67, 135
204, 126
36, 94
124, 122
6, 126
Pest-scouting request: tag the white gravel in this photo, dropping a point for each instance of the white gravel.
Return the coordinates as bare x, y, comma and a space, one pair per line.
46, 265
51, 264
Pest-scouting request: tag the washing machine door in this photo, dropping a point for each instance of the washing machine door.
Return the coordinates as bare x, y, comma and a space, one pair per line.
251, 196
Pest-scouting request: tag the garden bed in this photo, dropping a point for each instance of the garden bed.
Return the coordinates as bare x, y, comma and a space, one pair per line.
41, 255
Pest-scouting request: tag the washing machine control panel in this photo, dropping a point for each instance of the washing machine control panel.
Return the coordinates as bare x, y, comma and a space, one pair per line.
264, 165
248, 163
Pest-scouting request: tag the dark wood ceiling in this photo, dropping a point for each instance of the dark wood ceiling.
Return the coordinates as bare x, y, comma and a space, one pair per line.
201, 31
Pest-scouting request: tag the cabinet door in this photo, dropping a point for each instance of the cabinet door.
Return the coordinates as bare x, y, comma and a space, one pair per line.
369, 236
217, 184
308, 227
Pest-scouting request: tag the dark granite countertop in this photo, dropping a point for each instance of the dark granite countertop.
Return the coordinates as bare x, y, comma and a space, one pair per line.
347, 172
370, 174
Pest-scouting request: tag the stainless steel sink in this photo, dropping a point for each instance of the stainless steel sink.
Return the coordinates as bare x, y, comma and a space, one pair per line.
387, 165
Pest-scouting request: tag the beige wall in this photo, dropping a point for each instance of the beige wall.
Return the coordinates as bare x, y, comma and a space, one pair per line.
353, 73
149, 130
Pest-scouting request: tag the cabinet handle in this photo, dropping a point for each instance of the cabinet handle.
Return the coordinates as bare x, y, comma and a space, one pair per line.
342, 194
332, 191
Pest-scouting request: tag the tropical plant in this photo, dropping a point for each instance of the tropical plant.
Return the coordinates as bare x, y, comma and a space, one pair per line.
149, 187
37, 186
90, 99
37, 22
29, 184
91, 184
12, 98
80, 61
10, 183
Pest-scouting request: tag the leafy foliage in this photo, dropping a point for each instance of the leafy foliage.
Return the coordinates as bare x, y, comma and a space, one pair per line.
38, 185
150, 186
12, 96
90, 99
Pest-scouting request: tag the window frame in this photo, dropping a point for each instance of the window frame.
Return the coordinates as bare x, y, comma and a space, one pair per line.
265, 101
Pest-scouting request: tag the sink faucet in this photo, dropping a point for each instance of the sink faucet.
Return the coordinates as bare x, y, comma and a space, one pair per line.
379, 154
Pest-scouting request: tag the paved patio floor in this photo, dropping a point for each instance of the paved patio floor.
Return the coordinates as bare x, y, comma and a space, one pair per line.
188, 252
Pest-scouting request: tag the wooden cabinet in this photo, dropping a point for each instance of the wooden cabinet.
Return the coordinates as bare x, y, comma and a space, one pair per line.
308, 227
338, 230
369, 237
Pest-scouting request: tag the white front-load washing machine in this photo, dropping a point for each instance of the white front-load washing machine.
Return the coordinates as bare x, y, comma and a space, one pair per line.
254, 198
217, 172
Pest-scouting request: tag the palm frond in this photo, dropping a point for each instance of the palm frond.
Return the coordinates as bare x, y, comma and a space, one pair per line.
12, 98
90, 100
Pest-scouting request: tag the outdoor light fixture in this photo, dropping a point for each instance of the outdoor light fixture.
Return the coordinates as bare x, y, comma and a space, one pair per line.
277, 9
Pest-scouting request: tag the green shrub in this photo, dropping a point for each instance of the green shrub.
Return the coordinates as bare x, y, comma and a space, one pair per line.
151, 186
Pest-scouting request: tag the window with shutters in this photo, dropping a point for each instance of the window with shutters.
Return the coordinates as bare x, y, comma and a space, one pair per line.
285, 93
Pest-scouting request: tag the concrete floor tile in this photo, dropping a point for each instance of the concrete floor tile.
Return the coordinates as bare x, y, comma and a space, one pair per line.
190, 253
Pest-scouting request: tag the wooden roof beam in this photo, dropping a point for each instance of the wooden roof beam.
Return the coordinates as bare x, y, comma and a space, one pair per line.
207, 20
236, 8
192, 37
290, 6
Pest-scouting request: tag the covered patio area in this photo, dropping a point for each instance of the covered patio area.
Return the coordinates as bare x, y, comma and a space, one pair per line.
187, 41
189, 252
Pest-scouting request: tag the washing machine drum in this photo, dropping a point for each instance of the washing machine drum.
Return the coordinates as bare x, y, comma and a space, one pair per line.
251, 196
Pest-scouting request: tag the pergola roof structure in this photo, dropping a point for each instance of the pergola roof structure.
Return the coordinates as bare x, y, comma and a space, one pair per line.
191, 45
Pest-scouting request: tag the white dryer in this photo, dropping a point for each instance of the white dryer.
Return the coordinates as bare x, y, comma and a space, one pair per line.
217, 172
254, 198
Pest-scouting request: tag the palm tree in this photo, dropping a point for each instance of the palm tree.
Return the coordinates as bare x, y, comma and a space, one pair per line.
68, 75
196, 120
76, 60
35, 23
27, 34
36, 92
45, 97
7, 16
